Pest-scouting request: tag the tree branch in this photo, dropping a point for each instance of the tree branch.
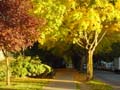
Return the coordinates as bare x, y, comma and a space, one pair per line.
104, 33
87, 40
80, 44
95, 41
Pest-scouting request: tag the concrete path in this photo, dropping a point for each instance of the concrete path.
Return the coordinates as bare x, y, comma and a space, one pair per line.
63, 81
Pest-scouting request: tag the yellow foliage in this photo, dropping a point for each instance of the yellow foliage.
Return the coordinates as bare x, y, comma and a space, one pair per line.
117, 5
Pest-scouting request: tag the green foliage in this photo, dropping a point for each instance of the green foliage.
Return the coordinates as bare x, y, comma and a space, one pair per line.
18, 67
27, 66
115, 49
2, 75
52, 11
2, 70
76, 21
106, 45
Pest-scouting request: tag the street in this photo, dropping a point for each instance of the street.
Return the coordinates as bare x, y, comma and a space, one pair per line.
109, 77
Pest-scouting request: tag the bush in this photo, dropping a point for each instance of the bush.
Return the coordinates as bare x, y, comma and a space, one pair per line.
2, 70
32, 67
19, 66
2, 75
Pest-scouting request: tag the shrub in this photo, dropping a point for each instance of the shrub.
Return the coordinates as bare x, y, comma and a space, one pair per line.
19, 66
2, 70
2, 75
32, 67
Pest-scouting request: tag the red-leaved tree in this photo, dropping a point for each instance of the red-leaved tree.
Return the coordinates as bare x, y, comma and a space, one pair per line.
18, 27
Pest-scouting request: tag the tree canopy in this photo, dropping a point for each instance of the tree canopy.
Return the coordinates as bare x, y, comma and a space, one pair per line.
72, 20
52, 11
82, 22
18, 28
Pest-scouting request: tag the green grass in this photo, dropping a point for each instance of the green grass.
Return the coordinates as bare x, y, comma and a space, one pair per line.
23, 84
77, 87
98, 85
90, 85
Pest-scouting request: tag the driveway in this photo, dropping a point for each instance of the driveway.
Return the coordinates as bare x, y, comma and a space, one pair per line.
109, 77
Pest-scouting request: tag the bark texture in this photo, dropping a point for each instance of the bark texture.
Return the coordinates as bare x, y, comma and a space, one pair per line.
7, 72
90, 65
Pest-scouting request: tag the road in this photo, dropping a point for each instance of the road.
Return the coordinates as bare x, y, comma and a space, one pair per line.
109, 77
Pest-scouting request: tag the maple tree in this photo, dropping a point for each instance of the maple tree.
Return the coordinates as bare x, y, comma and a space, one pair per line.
18, 27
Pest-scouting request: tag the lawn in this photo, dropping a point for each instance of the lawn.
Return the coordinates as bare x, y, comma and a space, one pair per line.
90, 85
24, 84
98, 85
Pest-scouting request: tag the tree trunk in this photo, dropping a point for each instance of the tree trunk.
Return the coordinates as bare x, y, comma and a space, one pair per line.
7, 67
90, 65
7, 72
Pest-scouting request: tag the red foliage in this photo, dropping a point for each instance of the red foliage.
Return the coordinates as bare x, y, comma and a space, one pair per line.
17, 27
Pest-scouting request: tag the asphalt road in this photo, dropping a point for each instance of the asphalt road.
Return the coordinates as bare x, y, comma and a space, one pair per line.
109, 77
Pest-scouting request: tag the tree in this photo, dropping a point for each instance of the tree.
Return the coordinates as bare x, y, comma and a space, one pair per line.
17, 27
53, 34
89, 23
53, 12
82, 22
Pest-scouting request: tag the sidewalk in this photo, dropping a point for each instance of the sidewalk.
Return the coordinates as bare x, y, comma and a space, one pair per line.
63, 80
